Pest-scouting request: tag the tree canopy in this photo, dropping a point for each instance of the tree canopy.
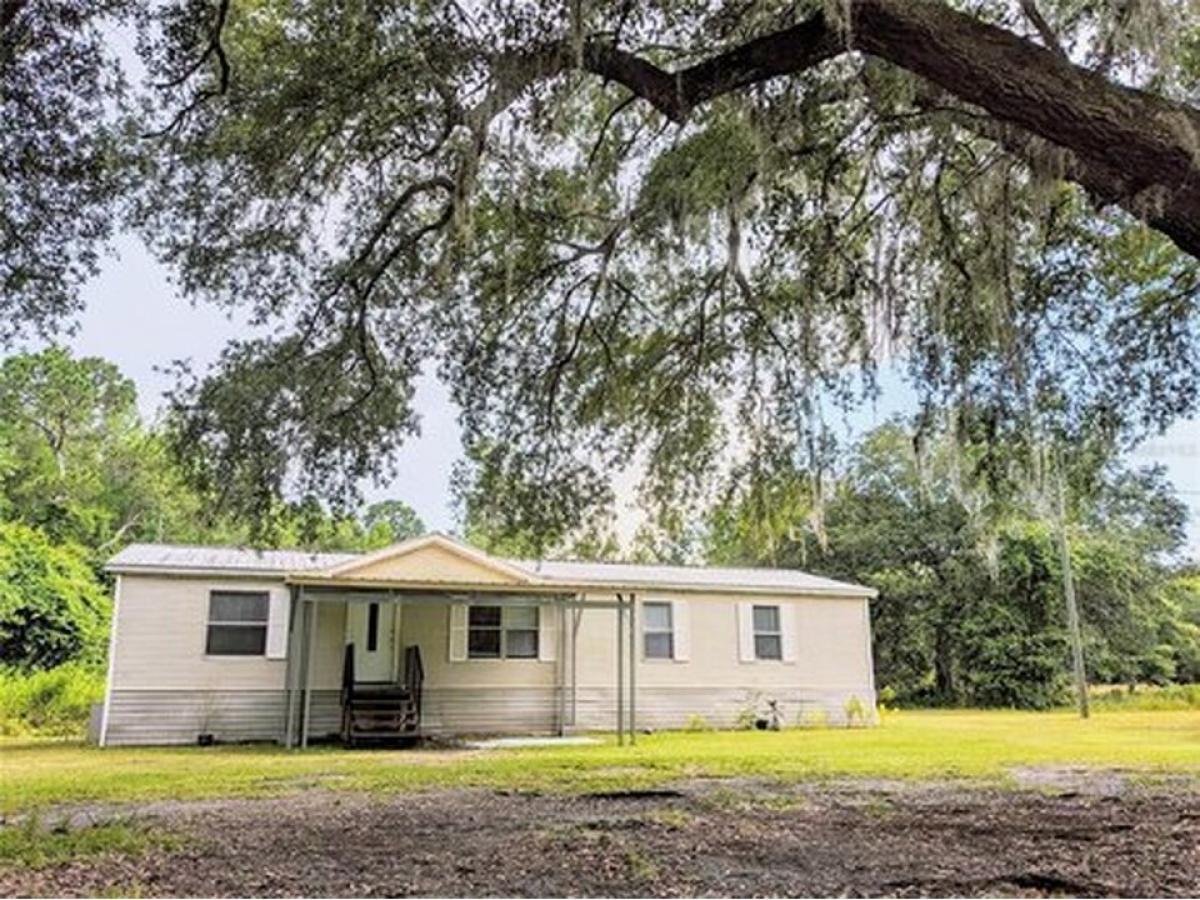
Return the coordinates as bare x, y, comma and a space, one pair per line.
656, 232
664, 234
76, 459
78, 463
63, 156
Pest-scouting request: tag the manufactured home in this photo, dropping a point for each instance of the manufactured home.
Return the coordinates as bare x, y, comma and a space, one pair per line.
434, 637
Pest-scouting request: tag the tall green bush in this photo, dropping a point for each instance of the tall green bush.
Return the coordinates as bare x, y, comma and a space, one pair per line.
53, 610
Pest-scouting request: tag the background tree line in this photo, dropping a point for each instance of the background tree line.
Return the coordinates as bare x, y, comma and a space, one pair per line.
81, 475
970, 610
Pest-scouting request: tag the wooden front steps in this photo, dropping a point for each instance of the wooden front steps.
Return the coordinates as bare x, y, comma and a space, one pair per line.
379, 713
382, 712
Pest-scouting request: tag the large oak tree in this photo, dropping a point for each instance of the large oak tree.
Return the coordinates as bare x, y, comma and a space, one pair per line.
661, 231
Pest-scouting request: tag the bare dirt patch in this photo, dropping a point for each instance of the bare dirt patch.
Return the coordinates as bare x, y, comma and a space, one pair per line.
1100, 836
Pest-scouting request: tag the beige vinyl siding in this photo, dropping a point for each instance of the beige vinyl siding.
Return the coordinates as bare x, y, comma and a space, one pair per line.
162, 628
831, 647
662, 708
166, 689
487, 709
832, 664
427, 624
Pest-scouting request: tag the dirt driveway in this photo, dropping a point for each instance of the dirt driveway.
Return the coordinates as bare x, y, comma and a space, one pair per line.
1071, 833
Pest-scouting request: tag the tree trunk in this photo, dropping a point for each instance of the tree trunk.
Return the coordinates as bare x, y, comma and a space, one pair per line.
943, 665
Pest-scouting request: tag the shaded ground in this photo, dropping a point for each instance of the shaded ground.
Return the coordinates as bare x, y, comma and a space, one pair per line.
1070, 832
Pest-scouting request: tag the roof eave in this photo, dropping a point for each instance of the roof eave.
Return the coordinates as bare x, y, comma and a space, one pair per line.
193, 571
548, 586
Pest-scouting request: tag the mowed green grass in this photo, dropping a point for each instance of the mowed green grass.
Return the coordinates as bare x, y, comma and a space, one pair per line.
909, 744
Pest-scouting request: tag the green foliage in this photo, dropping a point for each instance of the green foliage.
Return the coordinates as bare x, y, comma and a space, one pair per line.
857, 713
76, 461
54, 702
513, 507
606, 290
308, 524
970, 609
391, 521
281, 401
707, 173
749, 712
63, 154
52, 608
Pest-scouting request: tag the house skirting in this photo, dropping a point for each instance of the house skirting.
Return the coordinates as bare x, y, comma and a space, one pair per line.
678, 707
180, 717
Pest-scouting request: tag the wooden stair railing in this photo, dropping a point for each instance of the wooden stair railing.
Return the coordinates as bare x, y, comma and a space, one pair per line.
376, 712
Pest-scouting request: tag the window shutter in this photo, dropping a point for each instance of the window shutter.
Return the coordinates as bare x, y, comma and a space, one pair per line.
279, 606
745, 617
547, 633
787, 625
681, 626
458, 632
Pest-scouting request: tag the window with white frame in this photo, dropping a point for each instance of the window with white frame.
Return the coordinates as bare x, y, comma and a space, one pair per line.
768, 633
502, 632
658, 633
237, 623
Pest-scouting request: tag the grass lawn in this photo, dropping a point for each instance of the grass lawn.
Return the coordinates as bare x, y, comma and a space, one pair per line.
31, 846
909, 744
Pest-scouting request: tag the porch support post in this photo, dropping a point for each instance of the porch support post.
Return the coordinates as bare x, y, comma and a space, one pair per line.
309, 653
620, 671
561, 668
576, 618
633, 656
292, 673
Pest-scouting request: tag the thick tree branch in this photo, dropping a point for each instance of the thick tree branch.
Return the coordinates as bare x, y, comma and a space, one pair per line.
676, 94
1103, 184
1145, 143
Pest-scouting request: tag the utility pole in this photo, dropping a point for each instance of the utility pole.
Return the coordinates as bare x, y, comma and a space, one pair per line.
1073, 630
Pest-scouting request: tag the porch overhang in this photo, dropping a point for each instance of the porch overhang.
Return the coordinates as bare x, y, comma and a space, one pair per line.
309, 590
448, 591
562, 586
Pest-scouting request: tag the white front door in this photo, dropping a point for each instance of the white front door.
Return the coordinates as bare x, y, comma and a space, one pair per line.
371, 627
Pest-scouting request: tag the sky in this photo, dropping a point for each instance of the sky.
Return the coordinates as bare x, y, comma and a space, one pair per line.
135, 318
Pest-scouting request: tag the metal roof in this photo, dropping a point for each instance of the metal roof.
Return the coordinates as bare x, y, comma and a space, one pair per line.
693, 577
175, 557
178, 559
